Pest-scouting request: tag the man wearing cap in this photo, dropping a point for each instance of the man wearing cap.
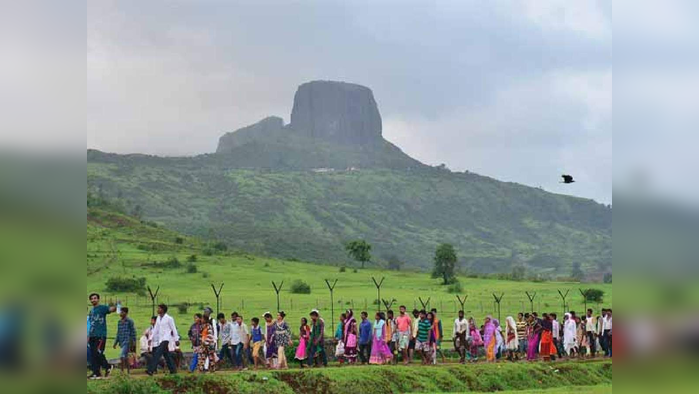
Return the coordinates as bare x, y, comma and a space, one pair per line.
316, 342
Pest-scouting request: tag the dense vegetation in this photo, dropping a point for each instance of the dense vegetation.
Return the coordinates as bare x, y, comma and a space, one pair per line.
404, 214
372, 379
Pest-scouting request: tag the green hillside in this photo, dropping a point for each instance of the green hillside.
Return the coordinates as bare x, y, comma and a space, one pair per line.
404, 213
120, 246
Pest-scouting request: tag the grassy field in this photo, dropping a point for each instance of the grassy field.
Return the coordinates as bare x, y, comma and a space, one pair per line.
120, 246
535, 377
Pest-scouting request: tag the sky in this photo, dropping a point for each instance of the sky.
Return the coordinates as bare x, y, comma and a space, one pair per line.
520, 90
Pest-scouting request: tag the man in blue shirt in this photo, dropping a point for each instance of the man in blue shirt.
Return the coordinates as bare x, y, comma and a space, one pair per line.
364, 339
97, 336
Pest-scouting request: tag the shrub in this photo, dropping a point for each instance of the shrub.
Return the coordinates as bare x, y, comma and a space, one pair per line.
207, 252
172, 262
594, 295
220, 246
455, 288
355, 270
179, 240
205, 275
191, 268
300, 287
182, 308
120, 284
192, 258
343, 269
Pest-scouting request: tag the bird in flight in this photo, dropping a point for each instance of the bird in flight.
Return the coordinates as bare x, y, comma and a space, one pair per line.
567, 178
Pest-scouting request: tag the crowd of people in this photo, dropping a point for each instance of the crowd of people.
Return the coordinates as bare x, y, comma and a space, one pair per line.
389, 338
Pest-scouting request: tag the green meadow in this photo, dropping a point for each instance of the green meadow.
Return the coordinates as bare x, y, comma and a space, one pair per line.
122, 246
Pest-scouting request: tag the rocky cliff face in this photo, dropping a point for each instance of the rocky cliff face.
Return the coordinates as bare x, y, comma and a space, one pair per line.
270, 128
337, 112
333, 124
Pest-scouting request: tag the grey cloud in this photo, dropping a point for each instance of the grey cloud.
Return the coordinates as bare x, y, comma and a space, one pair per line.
459, 82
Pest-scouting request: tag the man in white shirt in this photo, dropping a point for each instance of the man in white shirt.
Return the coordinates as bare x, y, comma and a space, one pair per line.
556, 331
226, 330
164, 332
460, 336
239, 341
590, 330
607, 333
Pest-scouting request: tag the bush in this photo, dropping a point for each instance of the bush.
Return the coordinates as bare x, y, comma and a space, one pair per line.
182, 308
594, 295
455, 288
343, 269
192, 258
119, 284
191, 268
355, 270
207, 252
220, 246
300, 287
172, 262
205, 275
179, 240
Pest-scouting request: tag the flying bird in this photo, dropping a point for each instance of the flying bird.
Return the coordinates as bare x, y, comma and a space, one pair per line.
567, 178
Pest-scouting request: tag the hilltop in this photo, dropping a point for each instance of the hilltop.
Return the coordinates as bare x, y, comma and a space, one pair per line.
300, 190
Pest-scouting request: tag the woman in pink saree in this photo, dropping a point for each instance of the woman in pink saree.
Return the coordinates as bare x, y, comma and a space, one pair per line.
475, 340
350, 337
533, 330
380, 352
489, 339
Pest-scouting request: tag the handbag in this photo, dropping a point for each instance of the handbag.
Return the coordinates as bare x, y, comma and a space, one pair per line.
340, 349
351, 340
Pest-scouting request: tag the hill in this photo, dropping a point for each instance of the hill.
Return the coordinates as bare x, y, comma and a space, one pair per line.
301, 190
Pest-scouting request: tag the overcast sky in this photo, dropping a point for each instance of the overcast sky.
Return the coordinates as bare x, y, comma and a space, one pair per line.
517, 90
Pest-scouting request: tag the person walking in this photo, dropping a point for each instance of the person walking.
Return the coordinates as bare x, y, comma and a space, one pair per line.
226, 329
511, 338
282, 339
350, 337
126, 339
164, 332
304, 337
380, 353
460, 336
404, 328
97, 336
194, 335
207, 358
365, 338
316, 342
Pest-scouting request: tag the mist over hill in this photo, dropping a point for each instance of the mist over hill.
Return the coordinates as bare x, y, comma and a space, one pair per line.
302, 189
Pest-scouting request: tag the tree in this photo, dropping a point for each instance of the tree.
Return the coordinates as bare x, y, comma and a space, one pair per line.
519, 271
608, 277
444, 263
359, 250
577, 272
394, 263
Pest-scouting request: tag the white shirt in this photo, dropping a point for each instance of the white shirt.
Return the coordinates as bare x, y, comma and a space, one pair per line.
461, 326
606, 323
589, 324
556, 326
226, 330
164, 330
239, 333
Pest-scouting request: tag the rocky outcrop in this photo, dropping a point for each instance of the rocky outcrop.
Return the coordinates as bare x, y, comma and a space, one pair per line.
336, 112
268, 129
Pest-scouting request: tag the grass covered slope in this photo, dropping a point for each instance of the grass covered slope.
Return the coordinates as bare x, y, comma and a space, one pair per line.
403, 213
120, 246
373, 379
